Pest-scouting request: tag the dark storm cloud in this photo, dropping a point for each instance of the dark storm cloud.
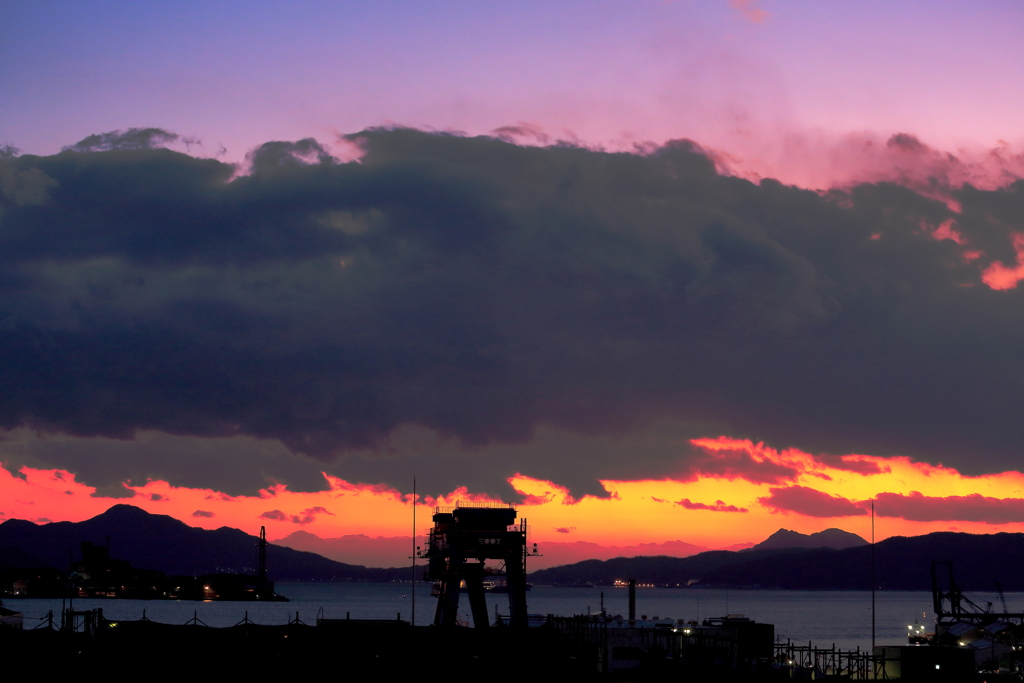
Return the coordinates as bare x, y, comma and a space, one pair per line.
906, 143
481, 291
236, 465
133, 138
301, 153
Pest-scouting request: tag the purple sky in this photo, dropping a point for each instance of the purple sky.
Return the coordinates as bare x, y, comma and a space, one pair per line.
549, 310
779, 94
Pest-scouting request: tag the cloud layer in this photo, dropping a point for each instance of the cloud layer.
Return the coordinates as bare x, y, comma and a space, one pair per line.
912, 507
807, 501
494, 296
718, 506
974, 507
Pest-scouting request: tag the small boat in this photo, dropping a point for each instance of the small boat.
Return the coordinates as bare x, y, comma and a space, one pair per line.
500, 587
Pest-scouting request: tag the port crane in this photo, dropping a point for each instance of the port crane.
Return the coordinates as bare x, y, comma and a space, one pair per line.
463, 538
951, 605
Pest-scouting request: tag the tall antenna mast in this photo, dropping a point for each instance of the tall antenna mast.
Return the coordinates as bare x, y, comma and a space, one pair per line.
873, 580
413, 587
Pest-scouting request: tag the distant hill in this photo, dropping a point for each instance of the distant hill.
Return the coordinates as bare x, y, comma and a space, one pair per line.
738, 546
836, 539
372, 551
980, 561
164, 543
556, 552
661, 570
385, 551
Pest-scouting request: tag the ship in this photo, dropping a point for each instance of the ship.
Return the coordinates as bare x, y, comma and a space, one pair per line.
499, 586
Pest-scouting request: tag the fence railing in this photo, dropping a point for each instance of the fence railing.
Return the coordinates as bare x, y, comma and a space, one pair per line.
857, 665
489, 504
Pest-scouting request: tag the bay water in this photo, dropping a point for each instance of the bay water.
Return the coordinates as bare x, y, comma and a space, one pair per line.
842, 618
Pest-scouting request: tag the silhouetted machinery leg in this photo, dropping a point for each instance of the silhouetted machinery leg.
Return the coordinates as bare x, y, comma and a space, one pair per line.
448, 603
463, 539
439, 609
477, 603
515, 574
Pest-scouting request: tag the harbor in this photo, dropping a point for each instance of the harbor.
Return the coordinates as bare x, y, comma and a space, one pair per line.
629, 630
825, 617
580, 647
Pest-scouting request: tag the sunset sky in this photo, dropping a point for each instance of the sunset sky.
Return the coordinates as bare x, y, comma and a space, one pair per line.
655, 270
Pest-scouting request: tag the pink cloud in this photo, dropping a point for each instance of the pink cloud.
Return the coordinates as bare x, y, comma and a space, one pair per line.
204, 513
811, 502
825, 161
917, 507
946, 231
749, 9
522, 133
852, 463
307, 516
738, 463
1001, 276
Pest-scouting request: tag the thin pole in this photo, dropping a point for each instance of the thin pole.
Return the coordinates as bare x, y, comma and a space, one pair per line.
413, 589
873, 580
263, 554
71, 586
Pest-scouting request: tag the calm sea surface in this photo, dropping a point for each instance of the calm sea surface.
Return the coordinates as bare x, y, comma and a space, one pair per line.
824, 617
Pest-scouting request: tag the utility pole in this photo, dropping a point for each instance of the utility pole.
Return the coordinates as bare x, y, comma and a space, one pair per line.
413, 587
873, 580
262, 572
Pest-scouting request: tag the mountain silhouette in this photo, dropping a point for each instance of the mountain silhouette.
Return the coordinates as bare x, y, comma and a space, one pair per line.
981, 561
164, 543
384, 551
836, 539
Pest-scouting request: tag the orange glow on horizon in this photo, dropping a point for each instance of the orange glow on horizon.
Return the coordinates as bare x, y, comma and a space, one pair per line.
735, 492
